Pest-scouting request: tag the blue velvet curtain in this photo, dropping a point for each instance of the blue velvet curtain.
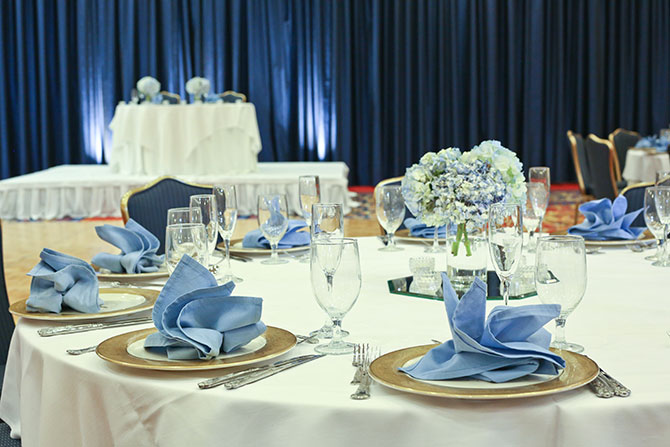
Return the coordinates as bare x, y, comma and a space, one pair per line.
375, 83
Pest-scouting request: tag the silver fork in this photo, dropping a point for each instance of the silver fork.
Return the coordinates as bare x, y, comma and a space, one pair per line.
363, 391
360, 350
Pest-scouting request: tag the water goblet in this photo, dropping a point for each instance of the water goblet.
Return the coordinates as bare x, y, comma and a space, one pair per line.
185, 239
225, 197
335, 271
541, 174
183, 215
435, 247
560, 278
505, 236
535, 194
309, 192
273, 222
655, 226
327, 221
662, 202
206, 203
390, 207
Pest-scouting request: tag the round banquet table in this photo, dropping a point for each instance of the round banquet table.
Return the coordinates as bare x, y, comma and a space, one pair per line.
642, 164
51, 398
184, 139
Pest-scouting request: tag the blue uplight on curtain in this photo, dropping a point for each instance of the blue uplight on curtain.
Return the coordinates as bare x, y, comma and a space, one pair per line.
375, 83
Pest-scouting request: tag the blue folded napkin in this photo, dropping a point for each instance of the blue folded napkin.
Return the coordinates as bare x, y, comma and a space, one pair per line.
509, 344
419, 229
660, 143
292, 237
60, 279
197, 319
606, 220
138, 249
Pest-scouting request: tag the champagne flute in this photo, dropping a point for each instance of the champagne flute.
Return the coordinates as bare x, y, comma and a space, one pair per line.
390, 207
541, 174
560, 278
505, 241
273, 222
309, 192
535, 193
655, 226
207, 206
335, 271
662, 201
185, 239
183, 215
225, 197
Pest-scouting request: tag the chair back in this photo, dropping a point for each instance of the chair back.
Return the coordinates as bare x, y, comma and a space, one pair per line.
635, 196
148, 204
622, 140
233, 96
6, 321
170, 98
580, 161
601, 155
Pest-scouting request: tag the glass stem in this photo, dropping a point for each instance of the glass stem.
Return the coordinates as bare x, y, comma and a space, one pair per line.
329, 280
227, 245
274, 256
559, 337
540, 227
391, 239
436, 241
505, 284
337, 332
665, 243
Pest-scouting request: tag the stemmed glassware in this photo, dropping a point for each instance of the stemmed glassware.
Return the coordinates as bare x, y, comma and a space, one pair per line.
505, 241
273, 222
435, 248
560, 278
185, 239
183, 215
390, 212
540, 174
226, 216
335, 270
662, 201
535, 193
207, 206
309, 191
655, 226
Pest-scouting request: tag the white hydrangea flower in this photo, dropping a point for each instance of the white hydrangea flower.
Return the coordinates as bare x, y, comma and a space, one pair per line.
148, 86
198, 87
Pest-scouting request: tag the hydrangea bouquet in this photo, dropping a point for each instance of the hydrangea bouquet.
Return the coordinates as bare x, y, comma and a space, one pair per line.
458, 188
198, 87
149, 87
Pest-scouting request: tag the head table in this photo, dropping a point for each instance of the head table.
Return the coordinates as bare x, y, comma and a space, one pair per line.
52, 398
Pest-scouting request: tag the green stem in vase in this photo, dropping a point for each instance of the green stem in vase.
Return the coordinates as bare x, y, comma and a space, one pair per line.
461, 234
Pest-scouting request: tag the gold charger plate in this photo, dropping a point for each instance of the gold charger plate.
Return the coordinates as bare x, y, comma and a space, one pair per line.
113, 308
403, 235
115, 350
579, 371
124, 277
237, 249
645, 237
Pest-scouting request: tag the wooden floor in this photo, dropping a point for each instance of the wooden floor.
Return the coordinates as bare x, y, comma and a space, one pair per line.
23, 241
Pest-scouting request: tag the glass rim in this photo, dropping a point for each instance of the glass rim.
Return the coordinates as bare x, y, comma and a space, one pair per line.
308, 176
186, 225
272, 194
335, 241
180, 208
560, 237
200, 196
221, 185
506, 205
324, 204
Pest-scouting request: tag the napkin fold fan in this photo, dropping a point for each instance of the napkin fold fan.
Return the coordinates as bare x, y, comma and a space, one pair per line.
605, 220
420, 229
138, 249
292, 238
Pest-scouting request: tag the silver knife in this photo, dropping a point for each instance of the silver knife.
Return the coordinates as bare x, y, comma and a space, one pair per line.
601, 387
85, 327
216, 381
618, 388
264, 374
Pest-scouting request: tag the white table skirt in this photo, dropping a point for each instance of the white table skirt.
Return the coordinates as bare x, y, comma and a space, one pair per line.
184, 139
642, 166
51, 398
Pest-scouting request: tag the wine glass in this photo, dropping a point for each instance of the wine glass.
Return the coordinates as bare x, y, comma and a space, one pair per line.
505, 241
560, 278
309, 192
183, 215
185, 239
541, 174
655, 226
335, 271
662, 201
207, 206
435, 248
535, 193
226, 216
390, 207
273, 222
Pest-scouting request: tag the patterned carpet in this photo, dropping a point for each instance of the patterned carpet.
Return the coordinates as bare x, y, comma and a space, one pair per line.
561, 213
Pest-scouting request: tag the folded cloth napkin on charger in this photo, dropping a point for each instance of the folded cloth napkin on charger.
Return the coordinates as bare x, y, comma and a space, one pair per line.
138, 249
606, 220
419, 229
196, 318
60, 279
660, 143
292, 237
509, 344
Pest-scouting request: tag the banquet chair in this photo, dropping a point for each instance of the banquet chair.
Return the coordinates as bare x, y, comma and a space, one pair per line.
635, 196
148, 204
601, 156
171, 98
233, 96
581, 162
623, 139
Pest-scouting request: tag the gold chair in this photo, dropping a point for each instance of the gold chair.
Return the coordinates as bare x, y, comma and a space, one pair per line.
635, 196
580, 161
170, 97
233, 96
622, 139
603, 167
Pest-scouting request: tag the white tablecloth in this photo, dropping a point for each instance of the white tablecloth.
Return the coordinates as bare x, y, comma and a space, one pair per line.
196, 139
55, 399
641, 165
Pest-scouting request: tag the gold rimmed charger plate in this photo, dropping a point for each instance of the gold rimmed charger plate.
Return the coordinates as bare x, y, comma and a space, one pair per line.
579, 371
115, 350
236, 248
403, 235
144, 299
127, 277
645, 237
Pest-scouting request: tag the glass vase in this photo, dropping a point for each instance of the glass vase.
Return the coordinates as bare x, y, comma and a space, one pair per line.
467, 256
